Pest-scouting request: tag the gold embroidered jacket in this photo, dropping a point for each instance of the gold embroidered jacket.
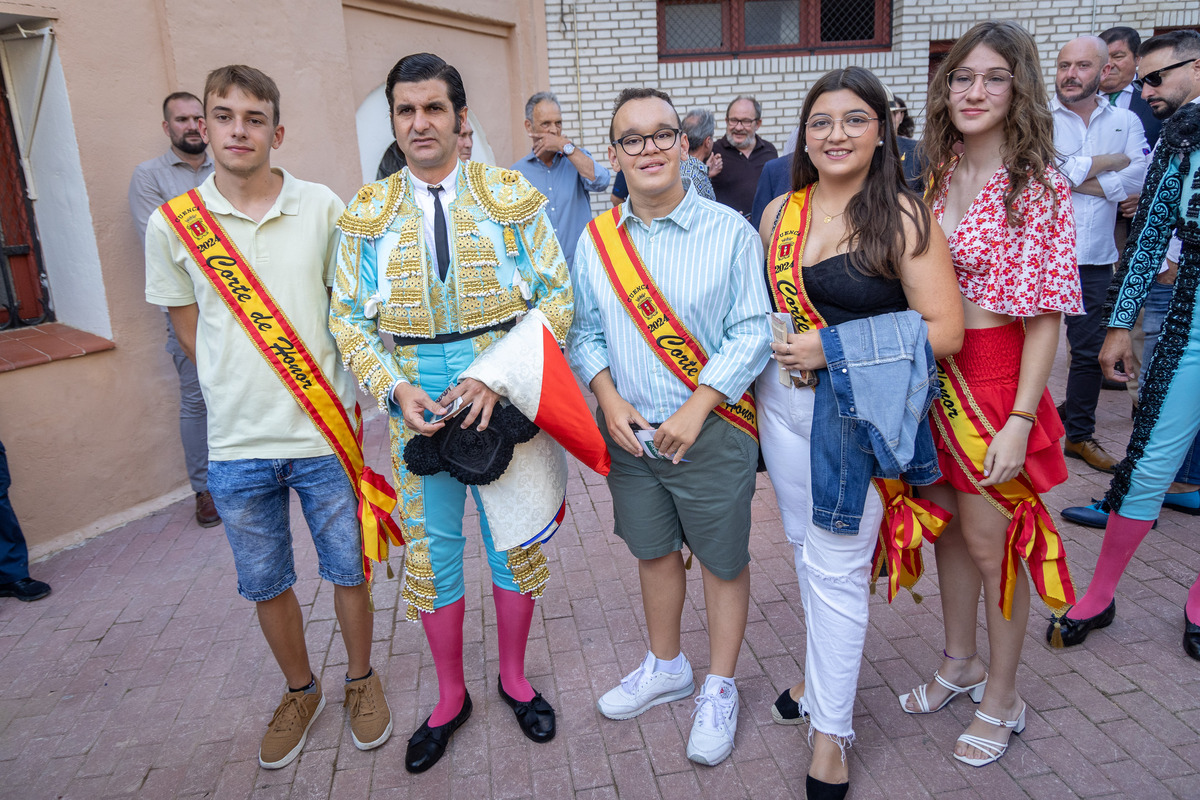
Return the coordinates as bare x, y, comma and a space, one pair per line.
504, 259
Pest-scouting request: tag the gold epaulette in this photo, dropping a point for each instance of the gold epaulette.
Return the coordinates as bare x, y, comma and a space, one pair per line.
364, 217
503, 194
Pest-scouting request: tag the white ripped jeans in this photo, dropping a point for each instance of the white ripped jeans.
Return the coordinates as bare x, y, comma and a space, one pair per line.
834, 570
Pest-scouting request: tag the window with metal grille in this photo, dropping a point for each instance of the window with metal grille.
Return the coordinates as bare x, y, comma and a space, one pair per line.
690, 29
24, 299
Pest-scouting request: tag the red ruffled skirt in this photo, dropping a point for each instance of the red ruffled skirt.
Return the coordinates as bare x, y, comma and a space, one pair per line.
990, 366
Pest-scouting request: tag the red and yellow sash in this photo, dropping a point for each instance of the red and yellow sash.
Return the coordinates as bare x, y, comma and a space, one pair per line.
652, 315
1031, 534
783, 262
908, 522
251, 304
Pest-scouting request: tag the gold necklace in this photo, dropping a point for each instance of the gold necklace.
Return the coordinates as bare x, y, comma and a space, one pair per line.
828, 217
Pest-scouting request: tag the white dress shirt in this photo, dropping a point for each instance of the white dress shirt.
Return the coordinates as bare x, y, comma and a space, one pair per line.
424, 199
1108, 130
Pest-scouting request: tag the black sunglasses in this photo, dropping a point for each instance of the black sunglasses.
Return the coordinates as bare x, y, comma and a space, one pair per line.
1155, 79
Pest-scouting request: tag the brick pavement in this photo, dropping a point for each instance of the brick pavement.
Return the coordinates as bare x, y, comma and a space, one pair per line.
144, 674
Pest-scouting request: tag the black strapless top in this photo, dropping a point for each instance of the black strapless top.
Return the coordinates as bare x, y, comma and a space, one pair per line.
841, 293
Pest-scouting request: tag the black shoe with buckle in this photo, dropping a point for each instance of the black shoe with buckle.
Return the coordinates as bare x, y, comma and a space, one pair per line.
1066, 632
26, 590
427, 746
1191, 637
535, 716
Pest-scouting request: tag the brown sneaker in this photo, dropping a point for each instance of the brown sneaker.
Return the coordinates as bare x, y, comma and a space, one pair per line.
206, 510
370, 717
288, 730
1090, 451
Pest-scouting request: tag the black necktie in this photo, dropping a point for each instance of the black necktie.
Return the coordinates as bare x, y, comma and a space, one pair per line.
441, 240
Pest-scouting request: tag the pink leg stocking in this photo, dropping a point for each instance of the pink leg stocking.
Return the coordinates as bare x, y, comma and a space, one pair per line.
1121, 539
1193, 603
444, 630
514, 612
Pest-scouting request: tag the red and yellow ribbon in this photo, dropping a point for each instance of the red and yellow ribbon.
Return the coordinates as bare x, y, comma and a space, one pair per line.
652, 315
251, 304
1032, 535
908, 523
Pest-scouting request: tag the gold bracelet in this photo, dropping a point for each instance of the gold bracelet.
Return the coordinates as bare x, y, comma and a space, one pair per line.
1025, 415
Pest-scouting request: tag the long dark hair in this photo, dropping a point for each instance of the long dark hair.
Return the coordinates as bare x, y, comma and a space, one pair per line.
874, 221
1028, 147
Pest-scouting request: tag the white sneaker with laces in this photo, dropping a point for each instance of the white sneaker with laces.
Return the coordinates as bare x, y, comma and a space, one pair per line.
714, 722
645, 688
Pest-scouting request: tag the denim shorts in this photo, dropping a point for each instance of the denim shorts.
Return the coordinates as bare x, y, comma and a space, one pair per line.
252, 497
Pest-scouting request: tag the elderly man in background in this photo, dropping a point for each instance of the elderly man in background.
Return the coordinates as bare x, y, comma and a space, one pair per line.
560, 170
739, 156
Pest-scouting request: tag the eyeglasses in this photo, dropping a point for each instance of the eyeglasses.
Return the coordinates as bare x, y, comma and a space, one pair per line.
995, 81
734, 122
853, 125
1155, 79
635, 143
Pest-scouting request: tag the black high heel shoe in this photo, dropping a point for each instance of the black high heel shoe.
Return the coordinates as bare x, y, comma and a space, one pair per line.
820, 790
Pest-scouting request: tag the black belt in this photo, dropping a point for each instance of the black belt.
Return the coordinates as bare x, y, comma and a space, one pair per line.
454, 336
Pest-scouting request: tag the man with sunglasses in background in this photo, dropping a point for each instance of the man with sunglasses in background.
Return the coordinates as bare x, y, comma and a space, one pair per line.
1168, 419
1117, 86
670, 332
739, 156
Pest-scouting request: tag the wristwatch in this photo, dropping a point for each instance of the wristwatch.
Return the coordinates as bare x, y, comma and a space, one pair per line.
568, 148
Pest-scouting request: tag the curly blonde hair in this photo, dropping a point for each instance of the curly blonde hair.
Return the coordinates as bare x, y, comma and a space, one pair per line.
1028, 147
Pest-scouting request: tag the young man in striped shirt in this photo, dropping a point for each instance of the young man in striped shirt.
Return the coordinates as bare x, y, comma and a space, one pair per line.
669, 332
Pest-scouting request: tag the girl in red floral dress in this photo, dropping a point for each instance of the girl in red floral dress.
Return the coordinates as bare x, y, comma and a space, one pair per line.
989, 148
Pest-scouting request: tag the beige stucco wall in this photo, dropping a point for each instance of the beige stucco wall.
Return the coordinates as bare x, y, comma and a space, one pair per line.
93, 441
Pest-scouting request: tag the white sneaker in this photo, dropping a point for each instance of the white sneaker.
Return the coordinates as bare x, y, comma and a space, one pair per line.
714, 722
646, 687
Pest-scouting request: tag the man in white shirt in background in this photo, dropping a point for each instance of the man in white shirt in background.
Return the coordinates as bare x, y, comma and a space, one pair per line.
1103, 154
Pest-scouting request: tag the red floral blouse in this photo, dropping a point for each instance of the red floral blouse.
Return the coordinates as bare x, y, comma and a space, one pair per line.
1023, 271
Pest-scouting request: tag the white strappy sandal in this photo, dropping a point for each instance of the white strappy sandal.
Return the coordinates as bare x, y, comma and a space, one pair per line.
975, 690
993, 749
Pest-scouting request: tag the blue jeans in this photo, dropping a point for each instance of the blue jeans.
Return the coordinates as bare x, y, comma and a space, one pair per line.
252, 497
14, 557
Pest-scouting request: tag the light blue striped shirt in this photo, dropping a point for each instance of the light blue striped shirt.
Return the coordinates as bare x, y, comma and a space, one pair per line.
708, 263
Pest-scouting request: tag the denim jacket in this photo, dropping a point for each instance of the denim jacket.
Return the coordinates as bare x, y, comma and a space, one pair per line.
860, 424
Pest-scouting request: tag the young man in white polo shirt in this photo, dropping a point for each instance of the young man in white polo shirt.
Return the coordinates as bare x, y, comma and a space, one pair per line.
261, 441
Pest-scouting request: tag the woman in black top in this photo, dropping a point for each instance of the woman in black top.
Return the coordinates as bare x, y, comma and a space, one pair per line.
851, 241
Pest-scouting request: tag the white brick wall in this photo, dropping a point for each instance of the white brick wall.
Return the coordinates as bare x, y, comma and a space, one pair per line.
618, 47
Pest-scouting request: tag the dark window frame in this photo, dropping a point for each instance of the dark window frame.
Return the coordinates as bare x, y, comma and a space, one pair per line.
24, 292
733, 36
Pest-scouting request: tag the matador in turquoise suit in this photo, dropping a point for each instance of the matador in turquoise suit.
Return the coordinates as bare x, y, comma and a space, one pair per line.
1168, 416
440, 259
